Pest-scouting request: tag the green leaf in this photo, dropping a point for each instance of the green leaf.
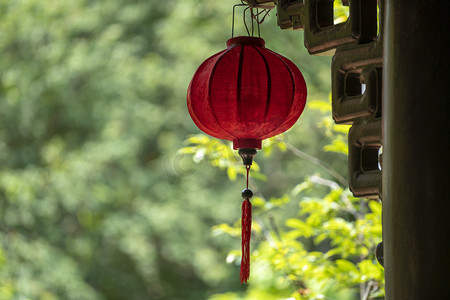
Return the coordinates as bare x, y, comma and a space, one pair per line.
304, 229
320, 238
231, 172
258, 202
341, 128
225, 228
375, 207
198, 139
346, 266
337, 146
323, 106
187, 150
280, 201
282, 146
370, 270
332, 252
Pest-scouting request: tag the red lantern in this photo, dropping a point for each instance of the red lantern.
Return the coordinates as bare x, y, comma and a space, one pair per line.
245, 94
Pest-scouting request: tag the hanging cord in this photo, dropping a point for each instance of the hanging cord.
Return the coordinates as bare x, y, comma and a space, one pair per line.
248, 171
245, 23
265, 12
253, 17
257, 21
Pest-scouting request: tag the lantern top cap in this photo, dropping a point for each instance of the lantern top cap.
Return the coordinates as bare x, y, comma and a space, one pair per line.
246, 40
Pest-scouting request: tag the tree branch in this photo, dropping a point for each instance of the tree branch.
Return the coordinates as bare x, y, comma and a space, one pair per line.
318, 162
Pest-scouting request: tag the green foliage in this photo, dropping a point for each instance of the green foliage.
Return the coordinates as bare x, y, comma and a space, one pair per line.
326, 251
218, 154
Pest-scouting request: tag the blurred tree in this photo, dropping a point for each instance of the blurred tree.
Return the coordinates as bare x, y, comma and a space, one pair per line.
96, 202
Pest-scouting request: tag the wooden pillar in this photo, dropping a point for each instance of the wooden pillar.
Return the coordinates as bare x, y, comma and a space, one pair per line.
416, 151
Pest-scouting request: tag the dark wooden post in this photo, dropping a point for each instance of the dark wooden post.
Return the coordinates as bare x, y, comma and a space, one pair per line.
416, 156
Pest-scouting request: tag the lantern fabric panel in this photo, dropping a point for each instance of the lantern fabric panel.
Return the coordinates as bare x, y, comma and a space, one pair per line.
224, 88
280, 94
198, 100
299, 93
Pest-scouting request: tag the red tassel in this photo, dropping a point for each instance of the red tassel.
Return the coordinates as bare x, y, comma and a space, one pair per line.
246, 233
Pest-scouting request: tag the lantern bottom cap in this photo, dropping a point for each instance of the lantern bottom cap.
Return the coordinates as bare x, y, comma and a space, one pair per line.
247, 143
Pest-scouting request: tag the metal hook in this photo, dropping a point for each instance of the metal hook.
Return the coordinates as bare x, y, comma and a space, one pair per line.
257, 21
245, 23
232, 22
251, 17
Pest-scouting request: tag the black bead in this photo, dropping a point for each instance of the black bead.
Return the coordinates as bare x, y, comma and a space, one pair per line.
247, 193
